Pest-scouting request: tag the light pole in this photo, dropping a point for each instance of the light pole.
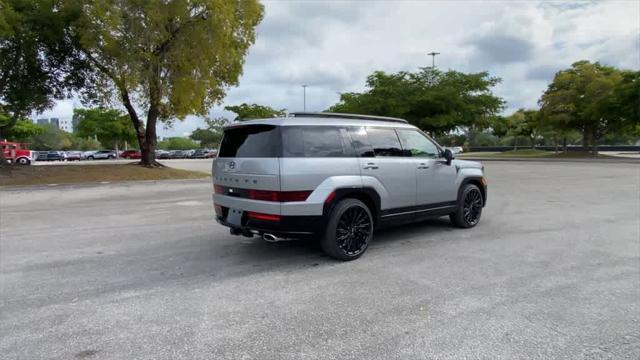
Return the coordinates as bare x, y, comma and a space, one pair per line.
304, 97
433, 58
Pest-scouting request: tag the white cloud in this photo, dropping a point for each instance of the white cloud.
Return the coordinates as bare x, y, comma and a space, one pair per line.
333, 45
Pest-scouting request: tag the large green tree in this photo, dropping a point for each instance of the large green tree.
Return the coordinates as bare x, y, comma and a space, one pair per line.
112, 128
51, 138
166, 59
38, 60
431, 99
254, 111
587, 97
525, 123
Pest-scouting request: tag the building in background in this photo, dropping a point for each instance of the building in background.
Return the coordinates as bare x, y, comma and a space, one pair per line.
62, 124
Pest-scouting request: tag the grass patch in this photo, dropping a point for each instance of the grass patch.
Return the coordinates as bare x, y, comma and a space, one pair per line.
524, 153
533, 153
72, 174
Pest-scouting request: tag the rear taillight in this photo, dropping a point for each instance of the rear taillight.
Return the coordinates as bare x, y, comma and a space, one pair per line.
261, 216
264, 195
287, 196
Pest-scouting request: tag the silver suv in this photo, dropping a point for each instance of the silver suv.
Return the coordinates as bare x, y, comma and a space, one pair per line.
337, 177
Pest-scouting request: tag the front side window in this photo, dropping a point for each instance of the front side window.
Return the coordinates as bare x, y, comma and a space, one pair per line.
417, 145
384, 142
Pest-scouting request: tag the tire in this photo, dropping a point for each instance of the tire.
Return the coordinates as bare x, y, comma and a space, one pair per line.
23, 161
89, 157
352, 219
110, 157
469, 208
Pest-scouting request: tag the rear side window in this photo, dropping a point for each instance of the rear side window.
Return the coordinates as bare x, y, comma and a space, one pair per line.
384, 142
251, 141
360, 142
313, 141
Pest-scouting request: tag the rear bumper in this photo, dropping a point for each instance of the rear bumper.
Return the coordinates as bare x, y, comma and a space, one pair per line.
288, 227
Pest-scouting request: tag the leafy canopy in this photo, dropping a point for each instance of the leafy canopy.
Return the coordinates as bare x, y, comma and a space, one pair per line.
109, 126
178, 57
38, 62
211, 135
433, 100
593, 98
254, 111
177, 143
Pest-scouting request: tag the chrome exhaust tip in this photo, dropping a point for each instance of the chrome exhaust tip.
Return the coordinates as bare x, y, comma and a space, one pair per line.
271, 238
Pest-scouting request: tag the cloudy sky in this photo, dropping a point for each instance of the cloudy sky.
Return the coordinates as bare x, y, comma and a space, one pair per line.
333, 45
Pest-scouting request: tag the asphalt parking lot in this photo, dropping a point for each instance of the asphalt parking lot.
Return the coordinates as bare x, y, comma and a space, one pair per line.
142, 271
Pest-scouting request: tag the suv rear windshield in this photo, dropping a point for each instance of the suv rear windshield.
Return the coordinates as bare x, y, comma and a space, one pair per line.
251, 141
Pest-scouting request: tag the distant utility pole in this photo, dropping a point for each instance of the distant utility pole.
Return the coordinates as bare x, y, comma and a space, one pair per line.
304, 97
433, 58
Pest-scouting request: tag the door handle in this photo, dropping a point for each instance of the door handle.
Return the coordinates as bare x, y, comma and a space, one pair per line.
423, 166
371, 166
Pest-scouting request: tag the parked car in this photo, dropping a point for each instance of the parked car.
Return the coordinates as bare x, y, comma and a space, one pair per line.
212, 153
85, 154
102, 154
73, 155
200, 154
336, 177
51, 156
162, 154
179, 154
17, 153
131, 154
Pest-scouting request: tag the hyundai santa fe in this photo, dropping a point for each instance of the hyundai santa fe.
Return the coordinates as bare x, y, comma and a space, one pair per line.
337, 177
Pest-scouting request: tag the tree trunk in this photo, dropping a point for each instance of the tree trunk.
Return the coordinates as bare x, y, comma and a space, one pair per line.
564, 144
586, 134
149, 152
594, 144
137, 124
515, 144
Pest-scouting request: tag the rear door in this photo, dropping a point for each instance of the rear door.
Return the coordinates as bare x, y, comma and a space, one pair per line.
381, 158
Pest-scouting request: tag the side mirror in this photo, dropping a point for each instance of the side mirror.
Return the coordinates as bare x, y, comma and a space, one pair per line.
448, 155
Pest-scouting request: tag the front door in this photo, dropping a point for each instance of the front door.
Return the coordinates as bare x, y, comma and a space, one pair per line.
435, 180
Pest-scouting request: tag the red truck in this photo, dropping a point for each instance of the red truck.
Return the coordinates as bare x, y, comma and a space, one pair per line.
17, 153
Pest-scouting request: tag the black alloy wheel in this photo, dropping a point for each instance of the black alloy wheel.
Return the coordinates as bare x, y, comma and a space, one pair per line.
353, 230
349, 230
472, 207
469, 208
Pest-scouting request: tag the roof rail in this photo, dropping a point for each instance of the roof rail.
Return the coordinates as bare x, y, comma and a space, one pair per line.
346, 116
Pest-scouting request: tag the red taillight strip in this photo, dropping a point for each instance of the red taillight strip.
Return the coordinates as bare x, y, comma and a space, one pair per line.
261, 216
263, 195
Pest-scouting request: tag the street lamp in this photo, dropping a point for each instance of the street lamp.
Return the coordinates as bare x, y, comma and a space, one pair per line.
304, 97
433, 58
